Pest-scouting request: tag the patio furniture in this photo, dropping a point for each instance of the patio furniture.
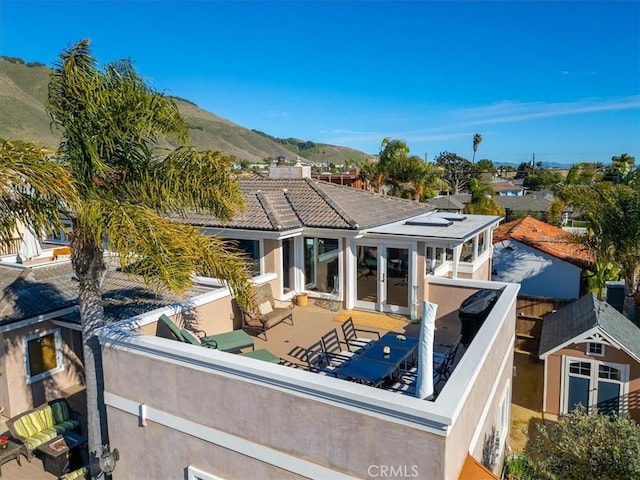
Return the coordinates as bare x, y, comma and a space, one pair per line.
450, 352
268, 314
12, 451
367, 371
39, 425
318, 361
354, 342
227, 342
331, 344
262, 354
62, 454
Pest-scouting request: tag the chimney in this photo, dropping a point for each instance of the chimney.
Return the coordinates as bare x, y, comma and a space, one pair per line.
283, 171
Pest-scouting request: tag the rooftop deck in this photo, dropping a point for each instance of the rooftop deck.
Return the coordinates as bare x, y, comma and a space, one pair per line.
285, 341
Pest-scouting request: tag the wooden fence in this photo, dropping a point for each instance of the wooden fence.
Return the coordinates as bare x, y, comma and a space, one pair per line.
530, 313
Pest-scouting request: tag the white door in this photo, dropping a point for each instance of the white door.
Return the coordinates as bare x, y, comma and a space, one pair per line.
595, 384
383, 274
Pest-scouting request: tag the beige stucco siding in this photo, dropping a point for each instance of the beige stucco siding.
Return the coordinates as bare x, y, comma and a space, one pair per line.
19, 395
554, 376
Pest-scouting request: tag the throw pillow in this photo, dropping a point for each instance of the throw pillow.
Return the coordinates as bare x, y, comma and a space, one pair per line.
265, 308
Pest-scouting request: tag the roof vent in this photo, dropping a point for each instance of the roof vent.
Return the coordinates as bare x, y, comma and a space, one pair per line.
454, 217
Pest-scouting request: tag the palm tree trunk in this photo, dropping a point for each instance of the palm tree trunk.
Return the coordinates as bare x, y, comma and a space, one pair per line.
89, 266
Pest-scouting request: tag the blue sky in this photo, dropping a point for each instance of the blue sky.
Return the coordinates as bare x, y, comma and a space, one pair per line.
558, 79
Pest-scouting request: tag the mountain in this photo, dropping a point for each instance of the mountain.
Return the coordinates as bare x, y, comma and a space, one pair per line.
23, 94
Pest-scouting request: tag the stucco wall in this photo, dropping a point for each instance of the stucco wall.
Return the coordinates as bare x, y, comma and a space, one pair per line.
319, 432
538, 273
554, 376
484, 397
20, 395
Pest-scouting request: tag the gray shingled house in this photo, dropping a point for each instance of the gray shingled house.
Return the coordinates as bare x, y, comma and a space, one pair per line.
591, 356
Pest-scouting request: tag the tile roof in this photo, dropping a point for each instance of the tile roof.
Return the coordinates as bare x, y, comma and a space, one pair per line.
581, 316
548, 239
285, 204
30, 292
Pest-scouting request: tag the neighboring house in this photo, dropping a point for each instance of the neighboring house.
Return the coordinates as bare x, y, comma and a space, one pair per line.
40, 329
591, 356
507, 189
545, 260
351, 179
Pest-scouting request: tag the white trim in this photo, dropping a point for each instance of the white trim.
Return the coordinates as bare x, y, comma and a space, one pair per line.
40, 318
225, 440
594, 354
389, 406
593, 381
194, 473
588, 336
57, 339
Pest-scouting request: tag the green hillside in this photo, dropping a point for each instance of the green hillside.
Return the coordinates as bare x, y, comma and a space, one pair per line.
23, 93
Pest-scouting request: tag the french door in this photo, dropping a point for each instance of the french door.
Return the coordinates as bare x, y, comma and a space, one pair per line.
594, 384
383, 277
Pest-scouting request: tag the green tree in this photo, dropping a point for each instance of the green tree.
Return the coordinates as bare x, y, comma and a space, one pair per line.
482, 202
111, 122
542, 178
485, 165
477, 140
32, 189
457, 171
613, 214
586, 446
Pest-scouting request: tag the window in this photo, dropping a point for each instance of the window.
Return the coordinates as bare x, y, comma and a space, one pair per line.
60, 236
466, 254
595, 349
43, 355
252, 249
580, 368
320, 263
197, 474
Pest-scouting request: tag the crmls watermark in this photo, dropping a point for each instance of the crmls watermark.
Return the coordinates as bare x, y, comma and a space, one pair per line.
392, 471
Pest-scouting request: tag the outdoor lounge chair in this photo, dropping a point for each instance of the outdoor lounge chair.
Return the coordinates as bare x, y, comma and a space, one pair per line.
268, 313
260, 354
354, 342
228, 342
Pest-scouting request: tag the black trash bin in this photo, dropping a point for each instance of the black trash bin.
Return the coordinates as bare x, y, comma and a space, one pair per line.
473, 311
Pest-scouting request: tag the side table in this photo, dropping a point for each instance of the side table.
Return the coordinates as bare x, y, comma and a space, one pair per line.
62, 454
12, 452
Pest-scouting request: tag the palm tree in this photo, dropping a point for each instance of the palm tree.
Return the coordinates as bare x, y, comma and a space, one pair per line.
30, 189
111, 123
477, 140
613, 213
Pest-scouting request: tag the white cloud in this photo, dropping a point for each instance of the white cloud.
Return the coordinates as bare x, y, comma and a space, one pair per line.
509, 111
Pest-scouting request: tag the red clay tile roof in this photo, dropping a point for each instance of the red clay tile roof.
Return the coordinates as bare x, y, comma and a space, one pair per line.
548, 239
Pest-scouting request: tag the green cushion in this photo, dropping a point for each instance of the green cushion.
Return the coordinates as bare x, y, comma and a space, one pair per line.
40, 438
79, 473
67, 426
262, 354
60, 411
230, 341
34, 422
175, 330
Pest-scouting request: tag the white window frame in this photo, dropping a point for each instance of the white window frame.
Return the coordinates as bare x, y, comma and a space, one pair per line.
194, 473
64, 236
595, 354
57, 335
593, 391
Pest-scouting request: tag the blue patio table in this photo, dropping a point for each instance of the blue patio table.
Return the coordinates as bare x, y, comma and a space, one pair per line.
368, 371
